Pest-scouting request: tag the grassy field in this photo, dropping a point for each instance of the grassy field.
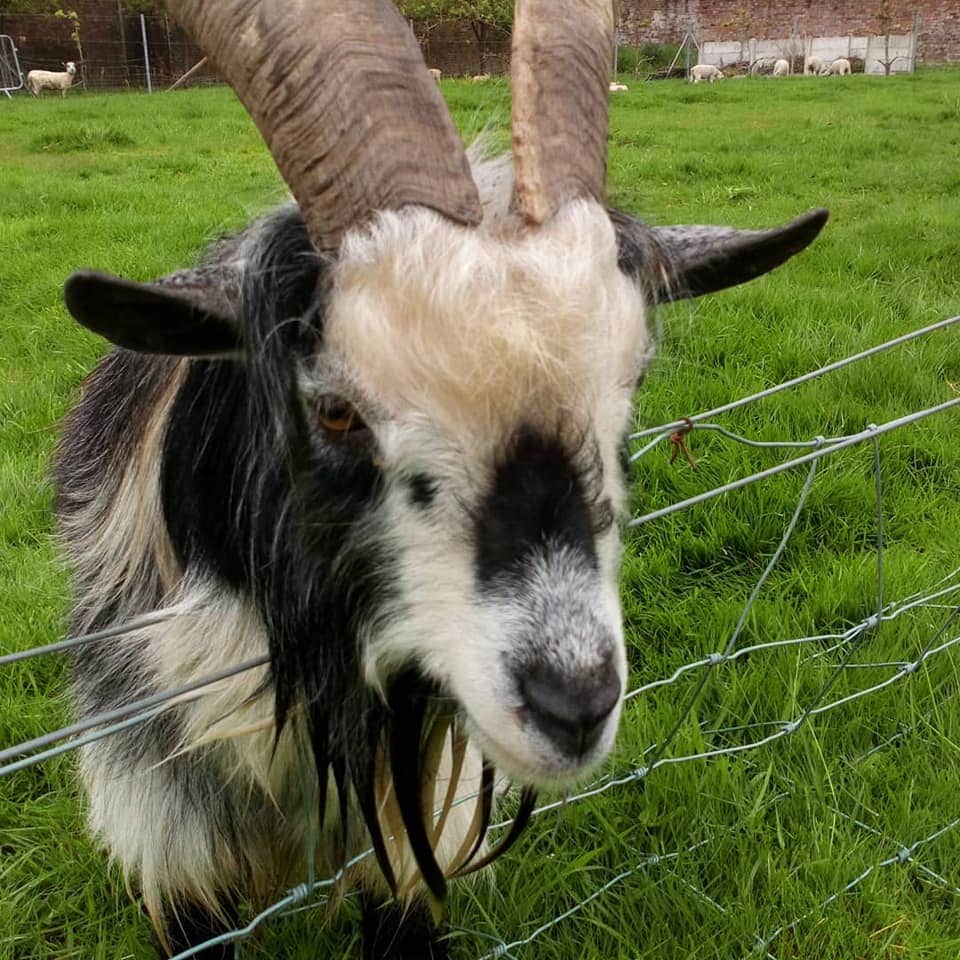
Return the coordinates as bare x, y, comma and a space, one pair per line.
137, 185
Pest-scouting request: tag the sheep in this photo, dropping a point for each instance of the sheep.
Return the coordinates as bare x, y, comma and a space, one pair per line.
839, 68
435, 73
372, 448
781, 68
812, 66
705, 71
480, 77
38, 80
618, 87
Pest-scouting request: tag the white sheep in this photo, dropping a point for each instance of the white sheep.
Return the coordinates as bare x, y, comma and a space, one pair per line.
839, 68
705, 71
435, 73
781, 68
37, 80
617, 87
812, 66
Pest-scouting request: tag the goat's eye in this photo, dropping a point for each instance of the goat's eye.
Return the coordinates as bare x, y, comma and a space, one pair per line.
340, 420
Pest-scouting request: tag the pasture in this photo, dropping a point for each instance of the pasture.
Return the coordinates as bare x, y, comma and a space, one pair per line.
746, 843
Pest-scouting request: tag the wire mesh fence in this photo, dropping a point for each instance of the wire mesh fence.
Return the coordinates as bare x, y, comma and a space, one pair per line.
113, 52
11, 77
127, 50
841, 669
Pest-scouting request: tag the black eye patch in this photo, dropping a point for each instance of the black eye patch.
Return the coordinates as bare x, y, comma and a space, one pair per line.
537, 498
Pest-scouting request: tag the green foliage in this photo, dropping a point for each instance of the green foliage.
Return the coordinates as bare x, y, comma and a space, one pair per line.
762, 835
28, 6
647, 58
498, 13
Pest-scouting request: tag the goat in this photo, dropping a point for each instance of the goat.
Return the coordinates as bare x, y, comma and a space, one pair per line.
812, 66
705, 71
38, 80
376, 440
781, 68
839, 68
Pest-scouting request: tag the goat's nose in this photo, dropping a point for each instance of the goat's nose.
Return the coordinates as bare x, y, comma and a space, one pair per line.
570, 709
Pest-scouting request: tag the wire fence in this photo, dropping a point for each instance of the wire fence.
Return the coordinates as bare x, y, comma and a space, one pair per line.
116, 52
843, 653
128, 50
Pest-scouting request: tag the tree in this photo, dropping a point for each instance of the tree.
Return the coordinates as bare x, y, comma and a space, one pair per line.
482, 15
491, 13
885, 19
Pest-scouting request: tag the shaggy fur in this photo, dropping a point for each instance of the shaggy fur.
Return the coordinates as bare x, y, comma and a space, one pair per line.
395, 475
356, 571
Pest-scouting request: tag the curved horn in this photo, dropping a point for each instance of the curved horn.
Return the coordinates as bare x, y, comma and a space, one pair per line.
343, 98
560, 69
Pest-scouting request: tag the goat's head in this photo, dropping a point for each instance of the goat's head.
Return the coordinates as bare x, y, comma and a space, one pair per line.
470, 357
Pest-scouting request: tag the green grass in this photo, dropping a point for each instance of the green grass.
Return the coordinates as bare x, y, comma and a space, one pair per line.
137, 185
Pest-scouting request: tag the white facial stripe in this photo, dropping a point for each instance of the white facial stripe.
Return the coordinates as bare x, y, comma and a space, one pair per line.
477, 332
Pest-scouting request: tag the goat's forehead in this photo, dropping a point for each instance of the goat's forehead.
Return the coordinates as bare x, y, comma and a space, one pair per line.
476, 330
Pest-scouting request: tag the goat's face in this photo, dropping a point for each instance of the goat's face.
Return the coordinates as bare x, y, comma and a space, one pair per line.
489, 380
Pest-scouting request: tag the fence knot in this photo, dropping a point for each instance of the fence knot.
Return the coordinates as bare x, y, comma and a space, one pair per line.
818, 441
909, 668
715, 659
300, 893
653, 859
678, 439
904, 855
791, 726
872, 621
640, 773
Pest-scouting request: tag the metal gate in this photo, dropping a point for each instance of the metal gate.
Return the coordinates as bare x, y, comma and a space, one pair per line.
10, 76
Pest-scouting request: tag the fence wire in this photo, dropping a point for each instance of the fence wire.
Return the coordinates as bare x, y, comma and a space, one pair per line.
844, 646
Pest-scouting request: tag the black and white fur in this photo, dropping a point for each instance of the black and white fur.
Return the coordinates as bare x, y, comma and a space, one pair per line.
436, 588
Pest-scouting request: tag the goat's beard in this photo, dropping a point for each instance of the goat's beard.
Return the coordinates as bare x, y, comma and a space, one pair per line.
395, 781
421, 721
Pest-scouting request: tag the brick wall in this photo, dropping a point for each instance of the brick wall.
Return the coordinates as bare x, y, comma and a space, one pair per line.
666, 21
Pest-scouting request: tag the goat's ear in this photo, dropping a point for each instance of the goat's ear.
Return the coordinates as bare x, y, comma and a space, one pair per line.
191, 313
674, 263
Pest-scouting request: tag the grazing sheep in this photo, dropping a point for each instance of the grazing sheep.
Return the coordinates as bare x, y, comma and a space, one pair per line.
839, 68
435, 73
38, 80
480, 77
812, 66
373, 448
705, 71
781, 68
618, 87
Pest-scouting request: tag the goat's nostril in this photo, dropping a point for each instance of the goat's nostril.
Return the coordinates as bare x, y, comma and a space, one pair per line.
570, 709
